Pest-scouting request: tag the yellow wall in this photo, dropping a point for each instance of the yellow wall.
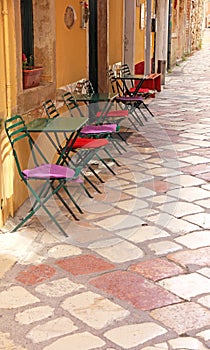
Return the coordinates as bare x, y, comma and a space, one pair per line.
115, 31
8, 91
8, 87
71, 62
2, 69
6, 178
12, 191
140, 37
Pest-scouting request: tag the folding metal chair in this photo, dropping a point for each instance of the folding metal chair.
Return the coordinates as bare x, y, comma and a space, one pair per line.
88, 86
53, 177
79, 87
144, 92
85, 148
124, 69
132, 101
126, 102
107, 115
95, 130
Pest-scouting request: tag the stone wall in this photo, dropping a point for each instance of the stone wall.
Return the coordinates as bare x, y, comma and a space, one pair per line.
187, 19
197, 13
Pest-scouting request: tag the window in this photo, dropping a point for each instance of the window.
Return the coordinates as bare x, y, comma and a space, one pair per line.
27, 27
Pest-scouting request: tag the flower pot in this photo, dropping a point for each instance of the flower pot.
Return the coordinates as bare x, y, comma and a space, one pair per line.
31, 77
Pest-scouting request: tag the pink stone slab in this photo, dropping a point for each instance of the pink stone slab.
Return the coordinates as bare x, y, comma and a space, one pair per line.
134, 289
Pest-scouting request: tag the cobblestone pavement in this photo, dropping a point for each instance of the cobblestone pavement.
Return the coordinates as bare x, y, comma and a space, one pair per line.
134, 272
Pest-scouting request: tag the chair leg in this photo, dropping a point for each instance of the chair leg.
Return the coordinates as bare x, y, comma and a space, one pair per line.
41, 194
96, 175
132, 123
33, 212
41, 204
106, 165
117, 145
136, 116
66, 206
142, 113
145, 106
86, 191
91, 183
73, 200
84, 158
111, 157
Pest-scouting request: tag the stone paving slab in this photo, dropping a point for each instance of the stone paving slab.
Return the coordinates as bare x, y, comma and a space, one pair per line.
134, 271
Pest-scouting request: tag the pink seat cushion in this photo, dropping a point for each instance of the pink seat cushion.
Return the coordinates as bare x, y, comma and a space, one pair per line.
99, 129
88, 143
50, 171
116, 113
129, 99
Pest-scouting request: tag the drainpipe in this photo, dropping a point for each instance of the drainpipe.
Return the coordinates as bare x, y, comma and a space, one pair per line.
8, 165
7, 57
169, 34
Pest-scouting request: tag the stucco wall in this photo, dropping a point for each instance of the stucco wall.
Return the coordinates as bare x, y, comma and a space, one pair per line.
8, 104
2, 70
71, 55
140, 36
115, 31
8, 86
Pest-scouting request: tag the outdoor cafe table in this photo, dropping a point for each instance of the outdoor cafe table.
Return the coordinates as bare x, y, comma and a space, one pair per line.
95, 103
95, 97
67, 127
127, 81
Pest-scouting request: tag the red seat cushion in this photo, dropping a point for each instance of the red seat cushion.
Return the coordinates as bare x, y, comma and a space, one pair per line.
141, 90
88, 143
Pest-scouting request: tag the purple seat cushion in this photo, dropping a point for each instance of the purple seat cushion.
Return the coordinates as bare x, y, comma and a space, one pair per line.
99, 129
129, 98
50, 171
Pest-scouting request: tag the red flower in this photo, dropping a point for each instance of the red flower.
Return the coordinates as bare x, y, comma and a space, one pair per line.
24, 58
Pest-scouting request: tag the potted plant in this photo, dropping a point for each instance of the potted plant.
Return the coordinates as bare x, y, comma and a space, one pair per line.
31, 73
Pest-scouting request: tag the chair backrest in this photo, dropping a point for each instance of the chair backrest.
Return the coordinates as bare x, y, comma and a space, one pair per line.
112, 79
116, 87
84, 86
71, 103
16, 131
124, 69
89, 90
79, 87
50, 109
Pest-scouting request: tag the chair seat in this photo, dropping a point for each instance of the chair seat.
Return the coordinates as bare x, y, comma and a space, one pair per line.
99, 129
51, 171
129, 99
88, 143
116, 113
141, 90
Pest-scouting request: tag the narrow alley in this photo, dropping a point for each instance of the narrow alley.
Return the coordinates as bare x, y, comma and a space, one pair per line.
134, 272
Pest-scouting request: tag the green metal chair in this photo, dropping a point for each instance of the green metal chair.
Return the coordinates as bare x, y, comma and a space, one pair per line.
95, 130
53, 177
133, 102
144, 92
84, 147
